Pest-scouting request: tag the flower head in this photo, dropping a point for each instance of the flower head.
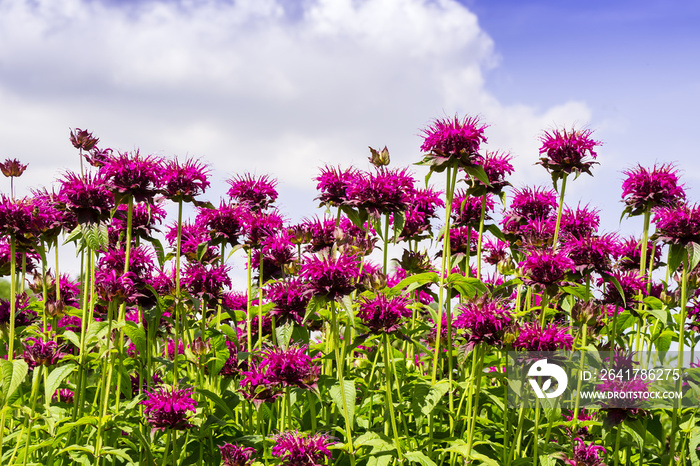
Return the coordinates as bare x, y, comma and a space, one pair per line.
565, 152
236, 455
678, 225
484, 320
82, 139
546, 269
290, 298
167, 407
383, 314
257, 193
381, 191
644, 189
585, 455
630, 253
532, 337
496, 166
87, 197
466, 209
333, 184
206, 282
453, 141
41, 353
295, 449
290, 366
223, 223
131, 174
580, 222
12, 168
631, 284
331, 276
592, 253
184, 181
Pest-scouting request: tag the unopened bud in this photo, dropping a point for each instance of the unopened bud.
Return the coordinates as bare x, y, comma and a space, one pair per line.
379, 159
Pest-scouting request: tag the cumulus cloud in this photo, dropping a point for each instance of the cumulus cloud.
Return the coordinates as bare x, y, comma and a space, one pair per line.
251, 85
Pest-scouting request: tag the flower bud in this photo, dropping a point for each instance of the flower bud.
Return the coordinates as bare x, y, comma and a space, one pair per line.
12, 167
379, 159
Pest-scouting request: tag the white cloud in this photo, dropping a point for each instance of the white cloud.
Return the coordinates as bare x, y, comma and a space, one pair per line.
251, 85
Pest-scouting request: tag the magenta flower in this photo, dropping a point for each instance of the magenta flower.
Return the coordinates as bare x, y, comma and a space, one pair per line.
532, 337
466, 209
496, 166
192, 235
114, 286
259, 225
166, 408
86, 197
626, 401
295, 449
82, 139
678, 225
451, 142
331, 276
290, 367
256, 385
381, 191
98, 157
12, 168
645, 189
630, 254
206, 282
223, 223
585, 455
277, 253
24, 315
592, 253
64, 395
320, 232
333, 184
144, 219
579, 223
41, 353
236, 455
184, 181
495, 251
631, 284
290, 298
484, 320
256, 193
232, 366
463, 240
533, 203
383, 314
546, 269
421, 209
567, 152
131, 174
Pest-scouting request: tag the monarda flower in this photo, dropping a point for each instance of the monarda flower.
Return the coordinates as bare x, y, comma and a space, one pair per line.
192, 236
236, 455
290, 298
256, 193
260, 225
12, 168
290, 367
453, 142
64, 395
579, 223
82, 139
40, 353
206, 282
592, 253
466, 210
223, 223
321, 233
331, 276
166, 408
383, 314
333, 184
86, 197
381, 192
585, 455
630, 253
422, 208
24, 315
144, 219
295, 449
133, 175
496, 166
631, 285
532, 337
567, 151
256, 385
644, 189
678, 225
533, 203
184, 181
484, 321
276, 252
232, 366
622, 399
546, 270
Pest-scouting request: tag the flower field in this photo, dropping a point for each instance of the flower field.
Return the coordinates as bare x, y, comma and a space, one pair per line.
337, 352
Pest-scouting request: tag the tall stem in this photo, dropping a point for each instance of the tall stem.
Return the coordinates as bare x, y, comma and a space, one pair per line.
13, 299
178, 293
389, 401
339, 367
561, 206
481, 237
681, 345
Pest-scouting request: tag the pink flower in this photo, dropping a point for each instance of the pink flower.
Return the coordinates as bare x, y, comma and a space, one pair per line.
453, 142
645, 189
167, 408
295, 449
567, 152
331, 276
678, 225
131, 174
484, 320
546, 269
235, 455
585, 455
333, 184
256, 193
383, 314
532, 337
184, 181
87, 197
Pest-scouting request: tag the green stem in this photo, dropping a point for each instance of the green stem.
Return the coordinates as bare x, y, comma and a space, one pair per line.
481, 236
178, 292
339, 367
389, 401
681, 345
561, 206
13, 299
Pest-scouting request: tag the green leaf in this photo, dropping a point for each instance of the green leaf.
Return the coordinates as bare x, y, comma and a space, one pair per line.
95, 330
415, 281
350, 394
693, 445
399, 222
72, 337
160, 252
663, 342
419, 457
693, 254
137, 336
96, 236
478, 172
217, 401
53, 381
221, 352
73, 235
13, 374
284, 334
426, 397
676, 255
611, 279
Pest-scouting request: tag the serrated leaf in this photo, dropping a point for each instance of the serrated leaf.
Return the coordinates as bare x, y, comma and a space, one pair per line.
419, 457
284, 334
218, 401
160, 251
416, 280
53, 381
221, 352
676, 255
399, 222
350, 395
95, 330
426, 397
693, 255
13, 374
137, 336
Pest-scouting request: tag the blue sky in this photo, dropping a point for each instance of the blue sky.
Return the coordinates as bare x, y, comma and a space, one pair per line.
281, 88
